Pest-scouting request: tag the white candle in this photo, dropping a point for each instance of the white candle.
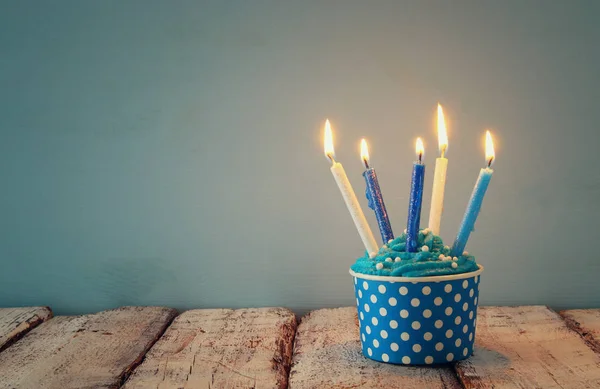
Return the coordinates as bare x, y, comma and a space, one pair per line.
349, 196
439, 177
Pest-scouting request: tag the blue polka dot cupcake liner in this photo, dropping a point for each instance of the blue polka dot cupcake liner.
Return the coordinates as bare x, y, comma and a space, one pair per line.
417, 321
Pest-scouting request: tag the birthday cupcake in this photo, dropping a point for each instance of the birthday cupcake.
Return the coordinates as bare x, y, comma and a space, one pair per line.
417, 307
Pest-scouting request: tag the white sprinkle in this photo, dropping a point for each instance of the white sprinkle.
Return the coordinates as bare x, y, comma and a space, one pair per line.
405, 230
454, 265
397, 259
388, 259
447, 247
426, 231
465, 253
390, 241
379, 266
448, 258
384, 246
425, 248
373, 255
441, 257
455, 258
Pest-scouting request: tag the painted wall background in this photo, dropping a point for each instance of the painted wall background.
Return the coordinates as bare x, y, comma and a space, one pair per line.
170, 152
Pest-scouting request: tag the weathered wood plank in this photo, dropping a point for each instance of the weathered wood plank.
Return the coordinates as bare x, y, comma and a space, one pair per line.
16, 322
91, 351
527, 347
327, 354
586, 322
221, 348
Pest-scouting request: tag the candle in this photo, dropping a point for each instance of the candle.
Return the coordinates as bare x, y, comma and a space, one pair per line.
416, 198
468, 222
349, 196
439, 176
374, 196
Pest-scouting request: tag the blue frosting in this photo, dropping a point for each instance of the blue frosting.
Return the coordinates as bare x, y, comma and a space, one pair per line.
431, 259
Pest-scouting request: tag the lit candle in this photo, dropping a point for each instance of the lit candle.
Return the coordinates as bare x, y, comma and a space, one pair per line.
416, 198
439, 176
468, 222
374, 195
349, 196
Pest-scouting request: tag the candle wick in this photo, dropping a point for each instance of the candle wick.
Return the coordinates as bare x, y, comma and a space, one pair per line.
330, 156
490, 162
366, 163
420, 157
443, 153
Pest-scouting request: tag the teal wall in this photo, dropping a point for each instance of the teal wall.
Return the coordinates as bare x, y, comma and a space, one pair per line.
170, 152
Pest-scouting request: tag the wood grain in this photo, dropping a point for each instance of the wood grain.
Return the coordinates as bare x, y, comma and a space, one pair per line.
221, 348
327, 354
16, 322
586, 322
91, 351
528, 347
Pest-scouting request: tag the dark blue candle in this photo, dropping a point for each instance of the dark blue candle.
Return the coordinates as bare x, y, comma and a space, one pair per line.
416, 199
374, 196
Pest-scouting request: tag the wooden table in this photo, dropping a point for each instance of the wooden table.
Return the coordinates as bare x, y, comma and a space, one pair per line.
154, 347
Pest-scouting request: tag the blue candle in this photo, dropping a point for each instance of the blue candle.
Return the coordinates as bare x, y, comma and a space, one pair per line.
375, 197
416, 199
474, 206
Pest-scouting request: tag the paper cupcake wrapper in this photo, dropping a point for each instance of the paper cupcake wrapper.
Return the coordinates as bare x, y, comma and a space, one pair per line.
417, 321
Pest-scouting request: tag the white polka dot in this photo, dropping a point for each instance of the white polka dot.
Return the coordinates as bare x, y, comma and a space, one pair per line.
471, 337
427, 313
379, 266
416, 325
415, 302
449, 334
465, 329
457, 320
448, 288
471, 292
448, 311
438, 324
416, 348
381, 289
362, 316
406, 360
450, 357
394, 346
367, 308
375, 343
429, 360
426, 290
465, 284
383, 311
392, 301
403, 290
458, 342
471, 315
465, 307
360, 293
475, 301
383, 334
357, 303
439, 346
385, 357
355, 280
476, 279
365, 285
457, 297
364, 337
404, 313
374, 321
465, 351
427, 336
373, 298
437, 301
393, 324
405, 336
368, 329
370, 352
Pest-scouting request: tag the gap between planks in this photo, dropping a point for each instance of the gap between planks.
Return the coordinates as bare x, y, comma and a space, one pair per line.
16, 322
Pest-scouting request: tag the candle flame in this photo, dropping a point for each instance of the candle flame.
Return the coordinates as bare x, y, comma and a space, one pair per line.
441, 128
489, 148
419, 149
364, 153
328, 141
